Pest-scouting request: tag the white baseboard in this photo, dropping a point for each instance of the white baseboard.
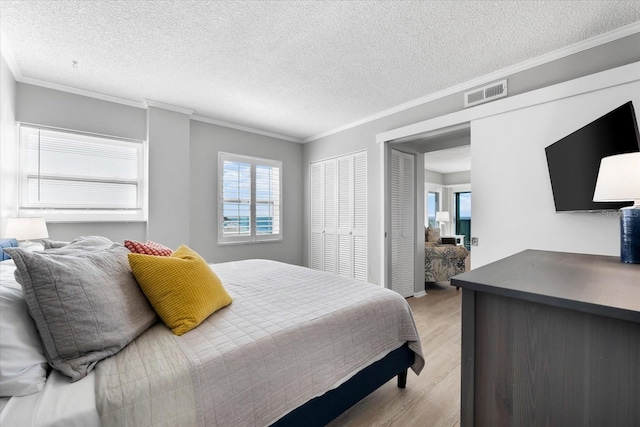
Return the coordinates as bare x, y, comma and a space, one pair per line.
420, 294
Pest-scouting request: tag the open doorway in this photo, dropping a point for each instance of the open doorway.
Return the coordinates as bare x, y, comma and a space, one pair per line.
434, 191
448, 192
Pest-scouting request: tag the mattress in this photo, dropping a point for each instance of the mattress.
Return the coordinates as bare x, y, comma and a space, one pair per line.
291, 334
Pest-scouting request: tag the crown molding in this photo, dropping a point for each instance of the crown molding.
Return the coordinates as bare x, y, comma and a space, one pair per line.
244, 128
156, 104
81, 92
583, 45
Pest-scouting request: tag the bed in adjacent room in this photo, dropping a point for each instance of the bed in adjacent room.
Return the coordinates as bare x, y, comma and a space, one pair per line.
296, 346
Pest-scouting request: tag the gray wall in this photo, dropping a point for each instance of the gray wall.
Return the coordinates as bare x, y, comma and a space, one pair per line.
182, 170
610, 55
8, 152
169, 177
206, 141
433, 177
457, 178
48, 107
453, 178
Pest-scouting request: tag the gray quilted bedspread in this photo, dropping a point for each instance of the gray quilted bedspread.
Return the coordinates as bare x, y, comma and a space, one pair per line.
291, 334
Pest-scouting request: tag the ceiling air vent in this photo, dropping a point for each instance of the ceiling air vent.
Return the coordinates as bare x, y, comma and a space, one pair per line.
485, 93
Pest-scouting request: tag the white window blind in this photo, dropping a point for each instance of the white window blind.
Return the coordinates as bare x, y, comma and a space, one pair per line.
75, 177
250, 199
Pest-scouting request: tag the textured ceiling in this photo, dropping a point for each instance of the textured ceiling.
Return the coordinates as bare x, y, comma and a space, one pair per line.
447, 161
295, 68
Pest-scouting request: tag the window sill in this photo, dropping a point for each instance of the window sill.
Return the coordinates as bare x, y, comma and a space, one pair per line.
252, 242
82, 216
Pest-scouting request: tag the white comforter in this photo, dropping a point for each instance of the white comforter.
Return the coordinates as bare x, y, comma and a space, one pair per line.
291, 334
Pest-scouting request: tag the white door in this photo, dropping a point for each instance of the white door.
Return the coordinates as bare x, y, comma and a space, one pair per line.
352, 216
330, 223
359, 216
317, 222
339, 216
402, 222
345, 206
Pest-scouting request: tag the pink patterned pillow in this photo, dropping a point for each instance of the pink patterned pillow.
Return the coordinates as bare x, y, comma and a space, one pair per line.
149, 248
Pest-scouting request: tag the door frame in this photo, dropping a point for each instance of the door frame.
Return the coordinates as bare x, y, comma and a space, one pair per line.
419, 205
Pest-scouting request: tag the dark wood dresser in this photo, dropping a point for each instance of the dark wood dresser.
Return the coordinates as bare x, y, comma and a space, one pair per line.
551, 339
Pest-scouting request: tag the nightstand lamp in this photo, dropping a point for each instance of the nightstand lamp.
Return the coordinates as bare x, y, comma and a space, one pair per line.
26, 229
619, 181
442, 218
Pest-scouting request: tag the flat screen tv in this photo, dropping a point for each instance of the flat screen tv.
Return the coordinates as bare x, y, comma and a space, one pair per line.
574, 160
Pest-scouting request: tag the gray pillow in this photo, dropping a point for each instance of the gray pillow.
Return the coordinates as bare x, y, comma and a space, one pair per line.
90, 241
85, 303
52, 244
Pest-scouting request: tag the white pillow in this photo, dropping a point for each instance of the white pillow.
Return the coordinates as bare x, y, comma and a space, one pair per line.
23, 367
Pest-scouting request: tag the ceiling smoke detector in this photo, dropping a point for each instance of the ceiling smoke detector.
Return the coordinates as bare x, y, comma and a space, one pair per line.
485, 93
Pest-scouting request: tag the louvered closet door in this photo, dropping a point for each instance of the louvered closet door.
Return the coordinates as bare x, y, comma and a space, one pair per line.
330, 222
345, 197
317, 222
402, 222
339, 216
360, 263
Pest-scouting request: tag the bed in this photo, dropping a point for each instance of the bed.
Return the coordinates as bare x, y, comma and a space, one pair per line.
295, 347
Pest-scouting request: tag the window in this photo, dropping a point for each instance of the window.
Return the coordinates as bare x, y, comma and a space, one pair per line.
250, 199
71, 176
433, 206
463, 216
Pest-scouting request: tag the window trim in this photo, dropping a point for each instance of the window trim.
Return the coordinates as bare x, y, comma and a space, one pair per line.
82, 214
437, 206
253, 237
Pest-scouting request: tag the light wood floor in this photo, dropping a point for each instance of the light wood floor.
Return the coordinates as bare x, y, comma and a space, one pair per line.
432, 398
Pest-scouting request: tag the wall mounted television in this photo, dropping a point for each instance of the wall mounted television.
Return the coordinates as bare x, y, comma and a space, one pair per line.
574, 160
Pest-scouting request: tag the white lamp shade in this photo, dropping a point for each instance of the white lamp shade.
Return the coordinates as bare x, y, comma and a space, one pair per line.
442, 216
26, 228
618, 179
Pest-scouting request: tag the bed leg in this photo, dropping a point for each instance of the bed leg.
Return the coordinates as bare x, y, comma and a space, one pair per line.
402, 379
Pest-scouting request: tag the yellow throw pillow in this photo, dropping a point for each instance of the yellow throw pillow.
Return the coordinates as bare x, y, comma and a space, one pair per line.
182, 288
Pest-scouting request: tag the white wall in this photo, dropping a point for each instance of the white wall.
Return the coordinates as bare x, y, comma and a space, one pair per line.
206, 141
513, 206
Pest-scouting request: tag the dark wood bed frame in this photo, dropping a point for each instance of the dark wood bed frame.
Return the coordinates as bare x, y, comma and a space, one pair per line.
323, 409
